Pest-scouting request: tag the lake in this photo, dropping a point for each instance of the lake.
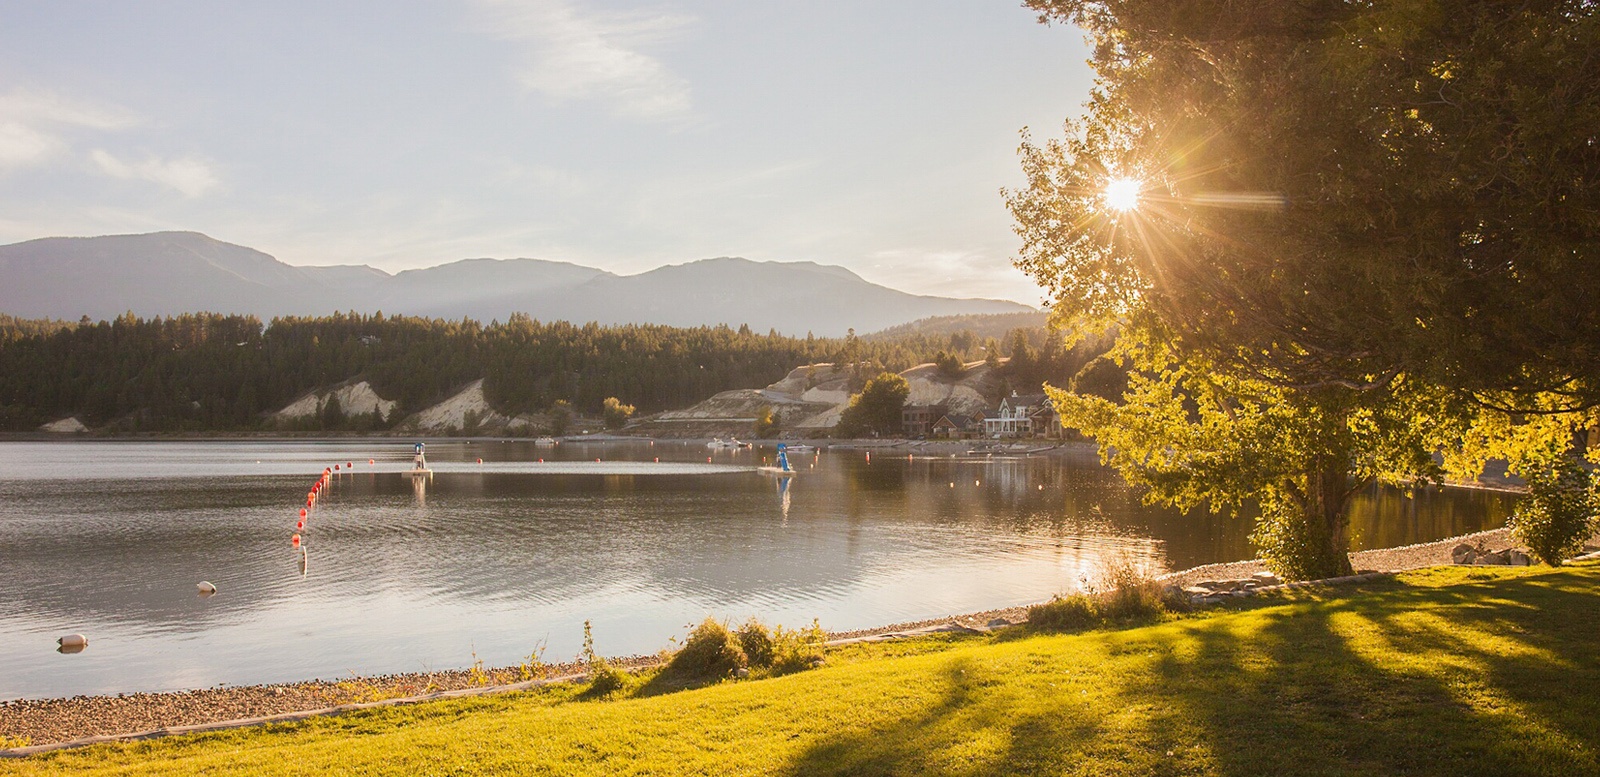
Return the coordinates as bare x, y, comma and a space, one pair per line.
403, 574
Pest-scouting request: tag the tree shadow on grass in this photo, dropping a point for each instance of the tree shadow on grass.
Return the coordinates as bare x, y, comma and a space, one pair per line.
1417, 681
1492, 678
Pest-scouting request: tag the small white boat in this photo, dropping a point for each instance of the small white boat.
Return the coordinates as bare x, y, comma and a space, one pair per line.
802, 448
721, 444
544, 441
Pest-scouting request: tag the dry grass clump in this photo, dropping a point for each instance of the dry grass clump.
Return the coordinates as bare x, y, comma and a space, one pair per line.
1126, 592
715, 652
604, 679
711, 652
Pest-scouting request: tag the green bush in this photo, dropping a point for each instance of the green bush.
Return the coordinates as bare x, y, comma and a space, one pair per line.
797, 649
1558, 514
756, 642
1125, 592
711, 652
1296, 546
1065, 613
604, 679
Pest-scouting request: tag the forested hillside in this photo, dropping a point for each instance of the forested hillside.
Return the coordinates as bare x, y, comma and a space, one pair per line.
207, 372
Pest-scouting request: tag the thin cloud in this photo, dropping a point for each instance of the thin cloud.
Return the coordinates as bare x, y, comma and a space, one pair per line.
570, 54
954, 273
192, 177
32, 124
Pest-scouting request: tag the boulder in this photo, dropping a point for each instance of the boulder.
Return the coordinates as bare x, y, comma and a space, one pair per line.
1518, 559
1464, 554
1266, 578
1500, 558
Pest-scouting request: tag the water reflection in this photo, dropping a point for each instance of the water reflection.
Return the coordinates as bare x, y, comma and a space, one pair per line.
419, 490
417, 572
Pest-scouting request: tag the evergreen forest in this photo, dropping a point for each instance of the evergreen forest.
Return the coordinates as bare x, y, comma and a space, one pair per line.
211, 372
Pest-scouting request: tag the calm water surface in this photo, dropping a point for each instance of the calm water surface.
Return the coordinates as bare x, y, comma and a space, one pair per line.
401, 575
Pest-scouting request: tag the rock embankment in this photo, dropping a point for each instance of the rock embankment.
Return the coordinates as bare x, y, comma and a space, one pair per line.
353, 399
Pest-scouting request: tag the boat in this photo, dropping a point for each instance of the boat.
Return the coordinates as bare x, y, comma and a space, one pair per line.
721, 444
544, 440
802, 448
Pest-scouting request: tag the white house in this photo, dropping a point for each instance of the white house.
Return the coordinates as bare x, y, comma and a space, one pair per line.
1020, 416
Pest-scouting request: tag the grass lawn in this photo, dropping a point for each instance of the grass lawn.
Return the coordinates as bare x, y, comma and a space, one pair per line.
1446, 672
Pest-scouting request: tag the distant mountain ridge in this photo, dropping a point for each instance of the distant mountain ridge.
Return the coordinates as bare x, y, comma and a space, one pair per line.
169, 273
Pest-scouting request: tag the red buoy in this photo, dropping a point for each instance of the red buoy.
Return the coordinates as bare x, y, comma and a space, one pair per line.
336, 468
370, 462
300, 524
302, 512
480, 461
295, 540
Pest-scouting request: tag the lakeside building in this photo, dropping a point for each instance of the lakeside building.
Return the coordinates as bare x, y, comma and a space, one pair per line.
918, 420
1023, 415
958, 426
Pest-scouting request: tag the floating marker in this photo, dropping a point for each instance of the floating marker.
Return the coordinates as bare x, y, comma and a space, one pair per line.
708, 459
295, 540
371, 462
348, 465
204, 588
336, 468
300, 524
73, 641
597, 461
480, 461
658, 459
302, 513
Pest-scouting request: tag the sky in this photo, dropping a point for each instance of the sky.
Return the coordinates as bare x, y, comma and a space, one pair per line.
872, 134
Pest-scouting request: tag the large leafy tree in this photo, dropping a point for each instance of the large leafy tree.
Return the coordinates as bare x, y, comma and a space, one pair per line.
1333, 236
876, 410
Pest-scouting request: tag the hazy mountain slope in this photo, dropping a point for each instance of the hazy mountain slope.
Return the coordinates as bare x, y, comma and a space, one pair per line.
792, 297
160, 273
168, 273
982, 325
481, 288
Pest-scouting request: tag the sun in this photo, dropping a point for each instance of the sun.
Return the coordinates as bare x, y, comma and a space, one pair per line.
1122, 194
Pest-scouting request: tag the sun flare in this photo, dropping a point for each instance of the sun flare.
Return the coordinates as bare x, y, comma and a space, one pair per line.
1122, 194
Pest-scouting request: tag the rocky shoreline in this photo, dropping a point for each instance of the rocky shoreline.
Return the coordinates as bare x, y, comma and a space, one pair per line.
34, 722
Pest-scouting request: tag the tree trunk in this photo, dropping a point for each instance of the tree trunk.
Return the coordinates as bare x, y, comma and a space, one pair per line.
1327, 494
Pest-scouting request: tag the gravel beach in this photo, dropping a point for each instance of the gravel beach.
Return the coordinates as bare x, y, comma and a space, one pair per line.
43, 721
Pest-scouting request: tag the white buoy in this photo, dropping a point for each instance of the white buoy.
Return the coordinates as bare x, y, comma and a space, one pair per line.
73, 641
205, 588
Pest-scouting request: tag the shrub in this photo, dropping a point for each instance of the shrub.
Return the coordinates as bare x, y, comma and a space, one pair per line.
1295, 545
797, 649
1124, 592
604, 679
711, 652
1557, 516
756, 642
1133, 594
1065, 613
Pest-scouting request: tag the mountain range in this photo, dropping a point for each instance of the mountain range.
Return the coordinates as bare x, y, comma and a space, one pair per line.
168, 273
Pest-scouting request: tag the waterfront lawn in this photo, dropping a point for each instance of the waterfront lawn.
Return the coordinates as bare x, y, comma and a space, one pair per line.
1441, 672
